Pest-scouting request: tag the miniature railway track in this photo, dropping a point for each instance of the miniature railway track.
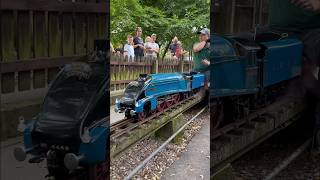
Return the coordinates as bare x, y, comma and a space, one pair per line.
233, 140
285, 163
163, 145
126, 125
262, 113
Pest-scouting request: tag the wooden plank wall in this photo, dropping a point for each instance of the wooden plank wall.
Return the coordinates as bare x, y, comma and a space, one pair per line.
231, 16
39, 31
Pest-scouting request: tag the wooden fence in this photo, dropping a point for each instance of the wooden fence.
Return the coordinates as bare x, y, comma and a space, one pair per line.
124, 70
231, 16
38, 37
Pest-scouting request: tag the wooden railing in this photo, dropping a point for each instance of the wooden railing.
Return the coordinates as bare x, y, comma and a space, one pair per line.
38, 37
124, 70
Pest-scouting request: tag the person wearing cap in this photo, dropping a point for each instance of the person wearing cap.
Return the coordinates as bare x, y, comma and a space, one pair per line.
202, 53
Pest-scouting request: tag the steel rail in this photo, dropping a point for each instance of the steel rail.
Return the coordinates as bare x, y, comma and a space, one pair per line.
287, 161
140, 166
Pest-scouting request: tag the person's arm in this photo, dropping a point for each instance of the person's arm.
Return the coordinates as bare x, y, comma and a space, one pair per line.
205, 62
199, 46
111, 48
135, 44
156, 49
309, 5
125, 50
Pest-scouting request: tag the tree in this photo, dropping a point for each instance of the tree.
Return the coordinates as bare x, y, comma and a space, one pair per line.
166, 18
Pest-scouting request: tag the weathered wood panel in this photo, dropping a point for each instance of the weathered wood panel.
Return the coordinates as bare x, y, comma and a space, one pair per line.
37, 31
231, 16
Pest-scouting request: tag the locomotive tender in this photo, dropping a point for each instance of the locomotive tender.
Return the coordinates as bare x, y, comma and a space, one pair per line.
153, 93
249, 69
71, 131
249, 63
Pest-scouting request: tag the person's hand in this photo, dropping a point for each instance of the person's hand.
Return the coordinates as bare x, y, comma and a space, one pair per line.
205, 62
309, 5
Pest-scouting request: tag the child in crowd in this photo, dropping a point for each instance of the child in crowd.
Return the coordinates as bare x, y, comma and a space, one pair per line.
128, 50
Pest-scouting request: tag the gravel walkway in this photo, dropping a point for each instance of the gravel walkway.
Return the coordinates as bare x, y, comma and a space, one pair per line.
127, 161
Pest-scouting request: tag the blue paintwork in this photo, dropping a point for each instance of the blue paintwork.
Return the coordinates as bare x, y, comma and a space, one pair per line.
234, 74
95, 151
282, 60
27, 137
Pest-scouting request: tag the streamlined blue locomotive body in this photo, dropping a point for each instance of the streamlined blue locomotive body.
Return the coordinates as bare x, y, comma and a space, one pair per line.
247, 64
144, 94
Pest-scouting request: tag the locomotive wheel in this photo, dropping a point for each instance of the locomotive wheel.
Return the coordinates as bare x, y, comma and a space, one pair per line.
154, 111
176, 98
161, 106
216, 115
169, 102
142, 115
99, 171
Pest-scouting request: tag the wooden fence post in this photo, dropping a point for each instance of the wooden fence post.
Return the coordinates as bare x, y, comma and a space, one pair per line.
155, 66
181, 64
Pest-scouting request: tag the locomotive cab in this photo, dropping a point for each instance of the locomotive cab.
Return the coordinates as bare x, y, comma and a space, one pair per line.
134, 91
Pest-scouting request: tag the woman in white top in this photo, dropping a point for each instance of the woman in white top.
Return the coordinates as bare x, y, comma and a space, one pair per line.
151, 48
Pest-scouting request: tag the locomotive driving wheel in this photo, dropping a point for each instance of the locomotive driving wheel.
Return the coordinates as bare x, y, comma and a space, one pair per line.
161, 106
216, 114
176, 98
169, 101
142, 115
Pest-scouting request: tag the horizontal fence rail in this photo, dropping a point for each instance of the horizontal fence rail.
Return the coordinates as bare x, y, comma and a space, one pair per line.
38, 37
124, 70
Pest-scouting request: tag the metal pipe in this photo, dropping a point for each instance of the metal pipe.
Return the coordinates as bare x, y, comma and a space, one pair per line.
287, 161
140, 166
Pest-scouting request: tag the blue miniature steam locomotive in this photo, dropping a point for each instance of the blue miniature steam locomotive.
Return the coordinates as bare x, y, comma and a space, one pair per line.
248, 69
153, 93
71, 131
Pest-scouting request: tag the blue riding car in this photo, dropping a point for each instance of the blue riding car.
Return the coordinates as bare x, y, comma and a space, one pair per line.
155, 92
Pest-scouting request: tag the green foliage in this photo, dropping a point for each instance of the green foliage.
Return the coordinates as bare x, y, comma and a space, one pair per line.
166, 18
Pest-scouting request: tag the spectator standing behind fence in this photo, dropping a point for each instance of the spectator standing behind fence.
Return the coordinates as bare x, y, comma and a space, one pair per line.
152, 48
128, 50
173, 46
118, 51
154, 39
179, 50
138, 44
202, 53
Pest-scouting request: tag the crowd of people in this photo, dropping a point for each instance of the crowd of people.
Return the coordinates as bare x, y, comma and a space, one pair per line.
136, 47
